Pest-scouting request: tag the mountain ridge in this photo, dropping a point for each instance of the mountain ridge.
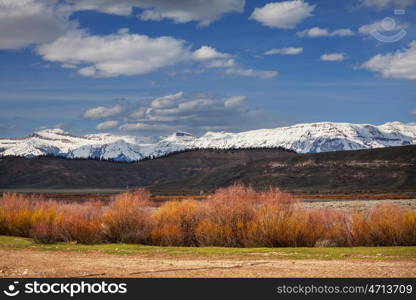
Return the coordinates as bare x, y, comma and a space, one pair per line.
301, 138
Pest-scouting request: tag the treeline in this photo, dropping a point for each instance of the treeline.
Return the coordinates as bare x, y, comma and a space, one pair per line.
219, 150
232, 217
151, 157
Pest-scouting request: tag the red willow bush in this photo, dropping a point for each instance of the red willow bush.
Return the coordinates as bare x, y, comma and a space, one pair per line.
69, 223
127, 218
19, 213
174, 224
237, 216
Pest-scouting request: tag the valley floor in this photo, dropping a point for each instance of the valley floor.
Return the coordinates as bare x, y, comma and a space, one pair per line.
22, 258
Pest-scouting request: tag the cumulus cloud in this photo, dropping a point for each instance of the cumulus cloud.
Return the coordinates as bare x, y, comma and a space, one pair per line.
180, 11
107, 125
187, 111
221, 63
284, 51
206, 53
283, 15
27, 22
333, 57
251, 73
179, 111
116, 54
33, 22
166, 101
123, 53
324, 32
382, 4
213, 59
401, 64
102, 112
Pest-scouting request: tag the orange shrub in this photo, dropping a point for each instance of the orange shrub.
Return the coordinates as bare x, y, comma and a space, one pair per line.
229, 211
46, 228
385, 226
409, 228
336, 227
127, 219
281, 226
19, 213
81, 223
175, 223
275, 196
233, 217
359, 229
232, 214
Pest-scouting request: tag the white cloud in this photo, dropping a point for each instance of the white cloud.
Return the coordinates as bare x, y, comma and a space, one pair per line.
251, 73
221, 63
333, 57
180, 11
166, 101
102, 112
132, 126
183, 106
284, 15
69, 66
116, 54
123, 53
413, 112
234, 101
46, 23
207, 53
380, 26
27, 22
188, 112
401, 64
144, 127
381, 4
33, 22
212, 58
106, 125
321, 32
284, 51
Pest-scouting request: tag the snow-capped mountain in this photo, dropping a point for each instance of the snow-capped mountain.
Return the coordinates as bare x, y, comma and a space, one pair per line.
302, 138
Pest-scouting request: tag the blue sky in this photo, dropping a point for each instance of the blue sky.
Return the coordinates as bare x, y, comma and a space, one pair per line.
152, 67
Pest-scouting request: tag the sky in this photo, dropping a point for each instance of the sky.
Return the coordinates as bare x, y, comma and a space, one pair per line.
152, 67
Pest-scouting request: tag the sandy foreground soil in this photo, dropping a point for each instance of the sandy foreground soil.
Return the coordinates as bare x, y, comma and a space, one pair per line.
34, 263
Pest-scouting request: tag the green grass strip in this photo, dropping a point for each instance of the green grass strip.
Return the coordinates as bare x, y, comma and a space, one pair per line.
338, 253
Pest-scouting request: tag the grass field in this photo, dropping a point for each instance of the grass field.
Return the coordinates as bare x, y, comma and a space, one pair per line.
21, 257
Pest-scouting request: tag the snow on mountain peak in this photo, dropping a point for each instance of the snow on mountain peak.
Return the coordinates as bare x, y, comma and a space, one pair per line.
302, 138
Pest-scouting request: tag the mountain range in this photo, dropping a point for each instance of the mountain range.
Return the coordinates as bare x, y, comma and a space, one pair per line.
301, 138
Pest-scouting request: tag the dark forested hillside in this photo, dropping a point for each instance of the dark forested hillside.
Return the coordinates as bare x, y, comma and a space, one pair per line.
377, 170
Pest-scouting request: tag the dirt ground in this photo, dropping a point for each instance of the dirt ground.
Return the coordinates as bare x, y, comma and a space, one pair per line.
360, 205
34, 263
